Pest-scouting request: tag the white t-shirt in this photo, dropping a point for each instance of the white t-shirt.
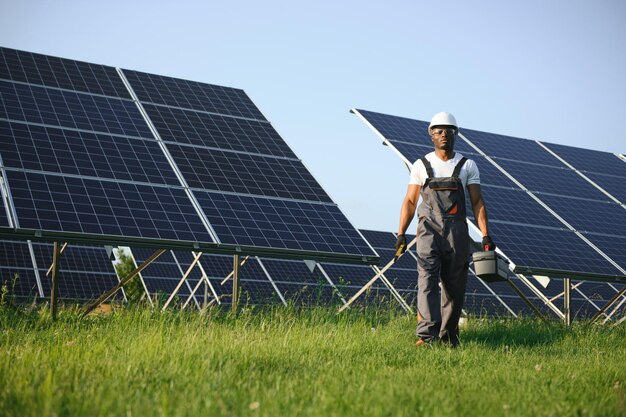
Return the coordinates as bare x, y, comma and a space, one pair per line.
469, 172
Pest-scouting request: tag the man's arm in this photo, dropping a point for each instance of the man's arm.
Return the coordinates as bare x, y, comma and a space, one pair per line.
408, 207
478, 207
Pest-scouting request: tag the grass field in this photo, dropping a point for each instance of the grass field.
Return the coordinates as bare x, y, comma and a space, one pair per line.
289, 362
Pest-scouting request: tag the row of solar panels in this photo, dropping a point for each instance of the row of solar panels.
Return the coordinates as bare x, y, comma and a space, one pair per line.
94, 154
553, 209
86, 272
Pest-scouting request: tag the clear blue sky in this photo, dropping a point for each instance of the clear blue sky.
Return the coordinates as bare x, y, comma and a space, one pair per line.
549, 70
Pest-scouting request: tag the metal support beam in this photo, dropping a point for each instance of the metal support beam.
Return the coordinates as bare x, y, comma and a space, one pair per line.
54, 292
567, 301
182, 280
235, 282
608, 305
527, 301
122, 282
374, 278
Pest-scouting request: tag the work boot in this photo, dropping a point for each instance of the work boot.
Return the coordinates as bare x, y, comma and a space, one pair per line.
421, 342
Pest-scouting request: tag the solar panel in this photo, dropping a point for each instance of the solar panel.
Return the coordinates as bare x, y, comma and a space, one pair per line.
616, 186
41, 148
47, 106
51, 71
588, 160
286, 224
174, 92
247, 174
509, 147
87, 206
506, 204
516, 220
612, 245
217, 131
548, 249
85, 162
551, 180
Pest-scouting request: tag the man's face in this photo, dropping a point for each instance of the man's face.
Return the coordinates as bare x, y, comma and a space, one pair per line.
443, 137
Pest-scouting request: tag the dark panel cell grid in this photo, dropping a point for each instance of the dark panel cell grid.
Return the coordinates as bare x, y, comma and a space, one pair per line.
559, 250
616, 186
51, 71
261, 222
76, 258
247, 174
193, 95
47, 106
561, 181
56, 203
589, 216
516, 206
590, 160
216, 131
382, 240
613, 246
82, 153
501, 146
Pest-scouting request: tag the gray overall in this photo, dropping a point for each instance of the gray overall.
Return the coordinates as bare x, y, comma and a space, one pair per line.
442, 253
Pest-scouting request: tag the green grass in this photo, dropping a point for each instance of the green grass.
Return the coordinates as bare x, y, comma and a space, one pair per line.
289, 362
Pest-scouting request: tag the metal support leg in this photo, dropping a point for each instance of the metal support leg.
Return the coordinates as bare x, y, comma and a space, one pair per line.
123, 282
527, 301
235, 282
54, 292
567, 311
182, 280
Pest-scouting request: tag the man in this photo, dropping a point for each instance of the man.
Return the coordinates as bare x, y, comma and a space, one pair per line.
442, 235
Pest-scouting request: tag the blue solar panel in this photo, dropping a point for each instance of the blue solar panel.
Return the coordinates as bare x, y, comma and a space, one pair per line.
211, 169
562, 181
589, 215
284, 224
613, 246
616, 186
508, 147
40, 148
69, 204
554, 249
590, 160
193, 95
401, 129
4, 220
217, 131
515, 206
61, 73
491, 175
33, 104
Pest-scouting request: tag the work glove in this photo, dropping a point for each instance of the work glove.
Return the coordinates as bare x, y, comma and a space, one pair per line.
400, 246
488, 244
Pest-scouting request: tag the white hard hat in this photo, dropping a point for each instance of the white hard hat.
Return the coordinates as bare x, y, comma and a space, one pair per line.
443, 119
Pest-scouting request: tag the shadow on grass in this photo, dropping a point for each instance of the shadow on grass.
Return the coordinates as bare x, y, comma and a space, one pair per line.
513, 333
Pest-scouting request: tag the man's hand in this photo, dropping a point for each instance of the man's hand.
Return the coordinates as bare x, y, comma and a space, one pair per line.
400, 246
488, 244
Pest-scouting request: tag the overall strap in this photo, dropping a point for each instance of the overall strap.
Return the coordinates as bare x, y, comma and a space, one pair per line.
428, 166
457, 168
